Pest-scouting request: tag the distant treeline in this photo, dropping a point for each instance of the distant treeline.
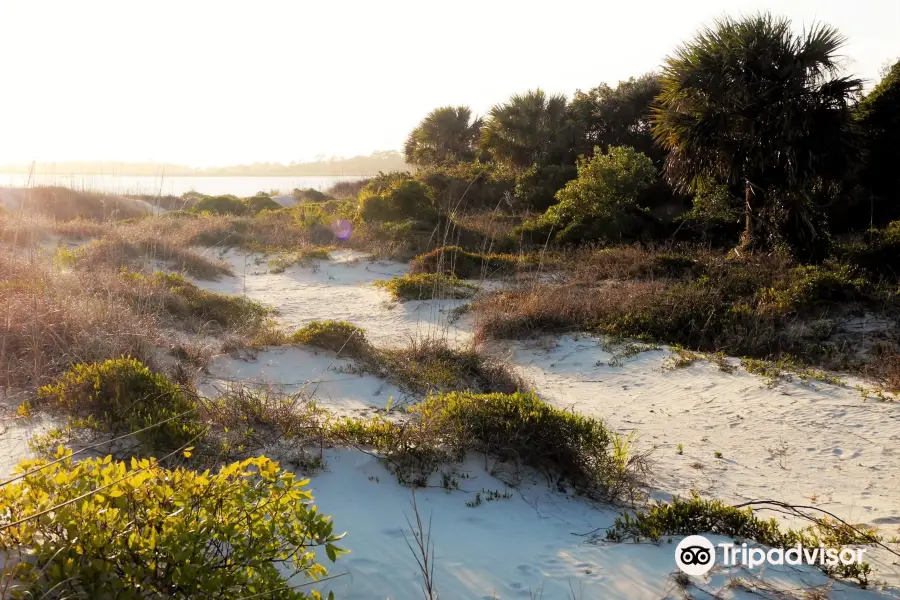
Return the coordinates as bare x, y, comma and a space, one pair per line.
356, 165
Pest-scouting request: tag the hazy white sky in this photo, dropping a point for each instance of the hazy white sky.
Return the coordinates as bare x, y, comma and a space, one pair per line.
219, 82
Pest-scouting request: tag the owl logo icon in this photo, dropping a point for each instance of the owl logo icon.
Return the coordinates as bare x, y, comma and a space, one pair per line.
695, 555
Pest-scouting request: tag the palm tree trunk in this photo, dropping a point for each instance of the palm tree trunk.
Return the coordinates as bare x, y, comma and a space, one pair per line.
747, 238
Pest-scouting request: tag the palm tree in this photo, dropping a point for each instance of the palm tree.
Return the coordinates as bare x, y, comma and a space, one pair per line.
532, 128
749, 103
447, 134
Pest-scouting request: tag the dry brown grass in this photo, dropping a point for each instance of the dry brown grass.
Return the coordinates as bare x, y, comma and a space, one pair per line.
885, 368
50, 322
551, 308
65, 204
116, 250
431, 366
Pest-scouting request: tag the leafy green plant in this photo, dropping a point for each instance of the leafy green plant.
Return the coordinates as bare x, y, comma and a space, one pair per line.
602, 202
114, 530
124, 395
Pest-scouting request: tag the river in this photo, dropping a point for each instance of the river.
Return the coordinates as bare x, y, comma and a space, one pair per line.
167, 185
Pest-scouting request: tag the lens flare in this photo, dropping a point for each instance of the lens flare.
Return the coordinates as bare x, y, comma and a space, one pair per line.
342, 229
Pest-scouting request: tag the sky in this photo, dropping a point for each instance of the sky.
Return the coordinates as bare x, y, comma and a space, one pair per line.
219, 83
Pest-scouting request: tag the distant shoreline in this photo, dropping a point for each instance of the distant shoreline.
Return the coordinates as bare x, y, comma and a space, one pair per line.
195, 175
355, 166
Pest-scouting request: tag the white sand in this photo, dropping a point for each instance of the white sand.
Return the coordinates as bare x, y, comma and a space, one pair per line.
839, 453
341, 289
805, 443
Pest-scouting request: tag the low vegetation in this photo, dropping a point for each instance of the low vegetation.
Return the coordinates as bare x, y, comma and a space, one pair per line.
427, 286
138, 529
762, 308
305, 257
432, 366
655, 209
457, 262
420, 367
519, 428
64, 204
697, 516
336, 336
122, 396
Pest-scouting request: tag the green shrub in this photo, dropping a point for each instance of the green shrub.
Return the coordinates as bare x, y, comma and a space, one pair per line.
699, 516
468, 186
456, 262
814, 286
344, 190
405, 199
427, 286
121, 395
517, 427
383, 182
878, 255
536, 188
161, 533
257, 204
310, 195
337, 336
601, 203
377, 208
220, 205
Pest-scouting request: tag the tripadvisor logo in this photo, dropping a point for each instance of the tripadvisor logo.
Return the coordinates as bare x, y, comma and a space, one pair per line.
696, 555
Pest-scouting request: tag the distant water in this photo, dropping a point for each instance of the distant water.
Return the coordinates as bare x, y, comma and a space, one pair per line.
175, 186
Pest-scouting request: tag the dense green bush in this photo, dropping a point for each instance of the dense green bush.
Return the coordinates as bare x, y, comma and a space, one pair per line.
220, 205
383, 182
155, 532
337, 336
878, 253
536, 188
878, 115
469, 186
406, 199
427, 286
601, 203
310, 195
257, 204
122, 395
